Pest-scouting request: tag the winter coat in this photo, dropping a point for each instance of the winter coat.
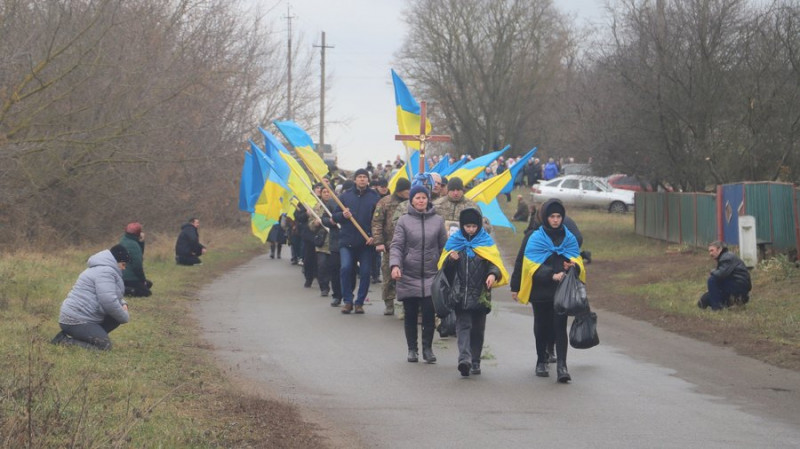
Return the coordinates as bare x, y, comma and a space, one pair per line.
550, 171
96, 294
418, 240
362, 205
188, 243
731, 266
303, 218
332, 237
467, 277
277, 234
134, 270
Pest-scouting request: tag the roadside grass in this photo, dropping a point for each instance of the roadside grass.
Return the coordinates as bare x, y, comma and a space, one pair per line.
661, 282
158, 387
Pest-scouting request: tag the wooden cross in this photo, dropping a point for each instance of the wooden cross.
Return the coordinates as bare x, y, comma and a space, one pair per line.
422, 138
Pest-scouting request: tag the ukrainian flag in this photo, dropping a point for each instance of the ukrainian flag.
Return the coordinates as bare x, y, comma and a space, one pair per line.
297, 180
481, 244
408, 112
303, 146
538, 250
471, 169
487, 191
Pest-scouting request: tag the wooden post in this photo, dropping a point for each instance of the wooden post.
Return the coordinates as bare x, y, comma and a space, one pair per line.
422, 138
352, 219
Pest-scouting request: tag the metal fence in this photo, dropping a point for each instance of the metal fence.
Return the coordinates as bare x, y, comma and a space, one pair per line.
699, 218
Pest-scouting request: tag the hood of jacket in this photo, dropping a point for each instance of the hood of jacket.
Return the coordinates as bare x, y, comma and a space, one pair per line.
103, 258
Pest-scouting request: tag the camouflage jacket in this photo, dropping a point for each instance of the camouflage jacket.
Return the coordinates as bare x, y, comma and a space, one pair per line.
383, 221
450, 210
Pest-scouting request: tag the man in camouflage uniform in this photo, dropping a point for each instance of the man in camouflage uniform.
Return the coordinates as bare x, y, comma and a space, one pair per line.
383, 223
449, 207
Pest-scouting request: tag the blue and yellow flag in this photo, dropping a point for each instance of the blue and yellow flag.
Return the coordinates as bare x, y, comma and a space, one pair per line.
298, 182
471, 169
538, 250
481, 244
492, 212
408, 112
303, 146
488, 190
450, 169
442, 165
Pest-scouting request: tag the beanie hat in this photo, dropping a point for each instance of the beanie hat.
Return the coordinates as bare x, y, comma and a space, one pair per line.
134, 228
470, 215
455, 184
402, 185
381, 182
417, 189
555, 207
361, 171
120, 253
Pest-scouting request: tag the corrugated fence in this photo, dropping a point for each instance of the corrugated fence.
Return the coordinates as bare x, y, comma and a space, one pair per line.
699, 218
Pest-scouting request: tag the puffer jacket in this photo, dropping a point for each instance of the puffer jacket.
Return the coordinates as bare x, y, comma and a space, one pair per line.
418, 240
468, 281
96, 294
731, 266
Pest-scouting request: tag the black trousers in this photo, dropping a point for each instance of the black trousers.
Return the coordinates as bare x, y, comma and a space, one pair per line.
328, 266
136, 288
309, 261
411, 308
549, 326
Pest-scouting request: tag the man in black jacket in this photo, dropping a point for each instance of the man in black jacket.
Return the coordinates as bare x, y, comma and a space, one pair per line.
730, 278
188, 248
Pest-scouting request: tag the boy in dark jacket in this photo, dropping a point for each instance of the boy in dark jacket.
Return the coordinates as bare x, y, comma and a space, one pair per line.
473, 266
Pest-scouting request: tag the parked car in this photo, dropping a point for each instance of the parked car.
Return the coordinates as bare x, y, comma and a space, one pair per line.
589, 191
632, 182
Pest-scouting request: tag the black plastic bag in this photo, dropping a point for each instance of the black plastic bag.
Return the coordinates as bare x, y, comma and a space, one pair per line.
440, 293
570, 296
447, 327
583, 333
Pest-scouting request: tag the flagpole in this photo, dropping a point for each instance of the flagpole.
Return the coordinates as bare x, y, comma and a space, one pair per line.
352, 218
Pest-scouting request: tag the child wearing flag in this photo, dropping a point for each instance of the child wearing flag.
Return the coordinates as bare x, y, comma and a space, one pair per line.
472, 264
547, 254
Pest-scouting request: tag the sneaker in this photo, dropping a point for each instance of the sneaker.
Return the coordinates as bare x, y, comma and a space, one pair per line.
476, 368
323, 293
464, 367
388, 311
347, 308
359, 309
336, 302
59, 338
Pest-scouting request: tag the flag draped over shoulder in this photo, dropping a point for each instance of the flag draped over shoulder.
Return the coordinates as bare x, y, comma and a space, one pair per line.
538, 250
469, 170
408, 112
303, 146
488, 190
481, 244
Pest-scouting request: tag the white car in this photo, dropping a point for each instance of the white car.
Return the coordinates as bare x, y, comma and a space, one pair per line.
576, 190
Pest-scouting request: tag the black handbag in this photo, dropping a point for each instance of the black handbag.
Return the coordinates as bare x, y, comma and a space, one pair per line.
319, 237
583, 333
570, 298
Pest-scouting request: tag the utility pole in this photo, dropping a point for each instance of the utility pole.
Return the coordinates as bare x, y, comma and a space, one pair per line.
322, 96
289, 18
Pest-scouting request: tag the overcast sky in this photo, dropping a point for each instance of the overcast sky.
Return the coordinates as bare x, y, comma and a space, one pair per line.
360, 117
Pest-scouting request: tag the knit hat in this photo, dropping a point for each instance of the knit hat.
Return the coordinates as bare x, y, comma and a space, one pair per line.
361, 171
470, 215
455, 184
417, 189
120, 253
381, 182
134, 228
402, 185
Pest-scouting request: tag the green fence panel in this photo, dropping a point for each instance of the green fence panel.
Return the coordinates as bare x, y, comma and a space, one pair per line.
688, 219
783, 225
640, 205
757, 202
673, 231
706, 219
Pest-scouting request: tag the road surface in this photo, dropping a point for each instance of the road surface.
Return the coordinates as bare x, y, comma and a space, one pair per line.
642, 387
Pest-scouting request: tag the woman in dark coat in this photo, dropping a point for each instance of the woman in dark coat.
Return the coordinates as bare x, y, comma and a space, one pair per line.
418, 240
545, 258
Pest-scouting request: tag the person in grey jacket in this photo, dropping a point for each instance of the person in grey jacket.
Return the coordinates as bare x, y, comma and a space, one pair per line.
730, 278
95, 305
419, 237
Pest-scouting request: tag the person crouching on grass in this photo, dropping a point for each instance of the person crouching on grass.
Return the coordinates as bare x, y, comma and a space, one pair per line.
472, 263
95, 305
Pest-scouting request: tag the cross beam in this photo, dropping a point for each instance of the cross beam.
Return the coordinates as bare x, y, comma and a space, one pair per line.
422, 137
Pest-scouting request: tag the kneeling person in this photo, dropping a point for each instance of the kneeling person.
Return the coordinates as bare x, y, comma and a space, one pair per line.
730, 278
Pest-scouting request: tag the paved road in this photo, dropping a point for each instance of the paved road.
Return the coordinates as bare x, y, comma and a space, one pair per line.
642, 387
